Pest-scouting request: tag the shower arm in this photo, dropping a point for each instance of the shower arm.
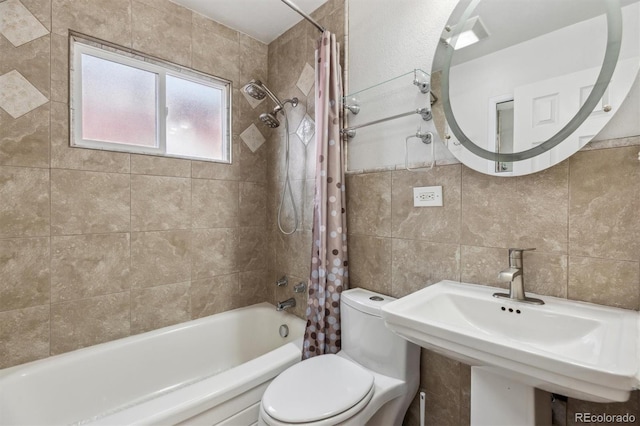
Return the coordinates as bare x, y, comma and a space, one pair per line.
304, 15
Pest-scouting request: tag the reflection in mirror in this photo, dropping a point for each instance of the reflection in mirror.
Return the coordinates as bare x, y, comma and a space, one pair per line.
525, 84
504, 134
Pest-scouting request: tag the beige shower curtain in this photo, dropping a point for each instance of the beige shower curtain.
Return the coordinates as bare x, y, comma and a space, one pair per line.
329, 261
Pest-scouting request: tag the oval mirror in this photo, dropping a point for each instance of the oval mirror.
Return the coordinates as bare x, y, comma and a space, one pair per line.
523, 84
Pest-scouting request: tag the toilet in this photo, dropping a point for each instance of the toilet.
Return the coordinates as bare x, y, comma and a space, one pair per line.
372, 380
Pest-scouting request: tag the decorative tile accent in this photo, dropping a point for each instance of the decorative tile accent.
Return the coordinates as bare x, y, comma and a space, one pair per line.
306, 80
306, 130
252, 138
18, 25
252, 101
17, 95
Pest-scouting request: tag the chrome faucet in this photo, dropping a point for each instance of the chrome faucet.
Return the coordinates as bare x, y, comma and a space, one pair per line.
289, 303
515, 276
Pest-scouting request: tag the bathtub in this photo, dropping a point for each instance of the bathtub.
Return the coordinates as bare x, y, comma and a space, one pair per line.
213, 370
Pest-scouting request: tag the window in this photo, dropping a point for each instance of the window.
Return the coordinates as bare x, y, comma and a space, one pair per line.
122, 101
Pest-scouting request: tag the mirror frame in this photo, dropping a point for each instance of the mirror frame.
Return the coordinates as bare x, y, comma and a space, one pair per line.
614, 42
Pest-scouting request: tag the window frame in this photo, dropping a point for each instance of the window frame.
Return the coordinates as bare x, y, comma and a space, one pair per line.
80, 44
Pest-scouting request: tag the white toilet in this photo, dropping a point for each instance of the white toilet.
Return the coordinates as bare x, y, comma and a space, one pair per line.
372, 380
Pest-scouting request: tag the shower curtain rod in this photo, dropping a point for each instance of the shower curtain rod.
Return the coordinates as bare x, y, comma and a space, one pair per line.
304, 15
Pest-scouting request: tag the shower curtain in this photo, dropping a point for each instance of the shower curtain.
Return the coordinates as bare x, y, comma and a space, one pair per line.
329, 262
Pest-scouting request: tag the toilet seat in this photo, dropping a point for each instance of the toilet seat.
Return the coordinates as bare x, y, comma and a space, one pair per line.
317, 389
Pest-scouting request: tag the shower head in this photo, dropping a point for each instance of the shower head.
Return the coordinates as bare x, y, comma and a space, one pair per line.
270, 119
257, 90
253, 89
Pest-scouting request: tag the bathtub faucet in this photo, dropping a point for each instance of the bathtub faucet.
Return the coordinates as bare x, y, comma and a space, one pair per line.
289, 303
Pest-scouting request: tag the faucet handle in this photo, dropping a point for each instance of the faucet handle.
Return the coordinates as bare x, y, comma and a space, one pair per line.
516, 253
515, 256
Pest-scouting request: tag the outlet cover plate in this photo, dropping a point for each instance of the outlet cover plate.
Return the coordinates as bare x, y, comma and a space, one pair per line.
427, 196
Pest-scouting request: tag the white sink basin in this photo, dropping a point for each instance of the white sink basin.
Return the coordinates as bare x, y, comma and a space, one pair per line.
577, 349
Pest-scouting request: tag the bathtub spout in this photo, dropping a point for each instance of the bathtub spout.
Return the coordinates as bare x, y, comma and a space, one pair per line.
289, 303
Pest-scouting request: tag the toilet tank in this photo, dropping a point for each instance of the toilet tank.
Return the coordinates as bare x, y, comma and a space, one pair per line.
367, 340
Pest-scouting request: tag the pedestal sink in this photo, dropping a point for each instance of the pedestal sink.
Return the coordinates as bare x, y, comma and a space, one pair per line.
577, 349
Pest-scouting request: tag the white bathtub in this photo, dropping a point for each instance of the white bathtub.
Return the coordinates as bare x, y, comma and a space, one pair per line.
208, 371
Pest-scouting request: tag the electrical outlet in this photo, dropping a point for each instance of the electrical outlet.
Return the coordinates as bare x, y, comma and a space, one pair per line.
427, 196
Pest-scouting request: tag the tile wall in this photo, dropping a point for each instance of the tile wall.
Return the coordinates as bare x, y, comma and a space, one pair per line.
96, 245
582, 216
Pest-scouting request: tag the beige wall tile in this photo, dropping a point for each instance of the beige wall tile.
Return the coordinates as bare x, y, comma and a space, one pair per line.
546, 273
159, 203
251, 252
89, 202
489, 210
24, 335
253, 59
65, 157
437, 224
252, 204
293, 253
222, 171
481, 265
214, 203
370, 263
25, 141
89, 265
41, 9
440, 377
159, 258
255, 287
252, 166
216, 54
369, 204
25, 210
168, 7
160, 166
214, 295
604, 204
543, 205
24, 268
59, 68
87, 322
417, 264
213, 252
606, 282
160, 306
30, 59
109, 20
161, 33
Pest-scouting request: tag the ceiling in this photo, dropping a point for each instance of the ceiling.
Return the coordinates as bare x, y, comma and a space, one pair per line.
264, 20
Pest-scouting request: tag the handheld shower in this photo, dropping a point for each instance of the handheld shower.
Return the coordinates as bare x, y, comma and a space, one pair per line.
257, 90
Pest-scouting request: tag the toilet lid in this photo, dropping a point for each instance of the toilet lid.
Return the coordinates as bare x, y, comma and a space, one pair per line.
316, 389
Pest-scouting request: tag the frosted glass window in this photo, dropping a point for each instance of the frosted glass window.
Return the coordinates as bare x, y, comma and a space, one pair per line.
119, 103
194, 119
122, 100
